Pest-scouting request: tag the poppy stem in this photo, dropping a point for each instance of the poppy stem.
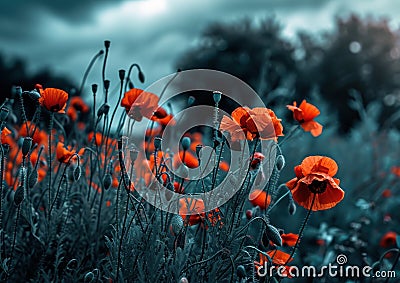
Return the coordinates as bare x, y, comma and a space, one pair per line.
302, 229
1, 200
50, 167
289, 135
88, 69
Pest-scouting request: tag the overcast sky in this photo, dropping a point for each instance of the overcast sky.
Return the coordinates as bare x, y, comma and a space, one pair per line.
64, 35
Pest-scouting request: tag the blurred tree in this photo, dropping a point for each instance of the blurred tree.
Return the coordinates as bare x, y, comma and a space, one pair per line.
360, 54
14, 73
256, 53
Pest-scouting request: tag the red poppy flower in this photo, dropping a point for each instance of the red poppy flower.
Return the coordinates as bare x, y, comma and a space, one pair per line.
78, 104
260, 198
388, 240
4, 133
314, 176
139, 104
63, 154
254, 123
257, 159
387, 193
191, 210
289, 239
278, 257
396, 170
305, 114
54, 99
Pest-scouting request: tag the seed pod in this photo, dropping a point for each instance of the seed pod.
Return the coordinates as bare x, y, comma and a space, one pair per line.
19, 195
292, 207
33, 178
133, 155
77, 173
191, 100
4, 113
157, 143
121, 74
198, 149
26, 146
280, 162
106, 84
107, 180
103, 110
217, 96
107, 44
241, 272
273, 235
72, 264
94, 88
89, 277
176, 224
186, 143
141, 77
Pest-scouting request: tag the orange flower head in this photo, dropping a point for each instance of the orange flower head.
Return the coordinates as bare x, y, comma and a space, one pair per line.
388, 240
289, 239
252, 123
191, 210
139, 104
63, 154
78, 104
54, 99
4, 133
396, 170
260, 198
305, 114
314, 181
278, 257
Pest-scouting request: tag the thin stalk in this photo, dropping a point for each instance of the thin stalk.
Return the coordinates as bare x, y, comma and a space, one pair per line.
302, 229
50, 165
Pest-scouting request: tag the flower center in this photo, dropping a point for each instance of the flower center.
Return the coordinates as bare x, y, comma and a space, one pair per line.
317, 187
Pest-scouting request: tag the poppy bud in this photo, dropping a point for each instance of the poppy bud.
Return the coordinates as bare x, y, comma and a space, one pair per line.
191, 100
249, 214
184, 280
121, 74
72, 264
130, 84
198, 149
280, 162
94, 88
18, 90
186, 143
103, 110
77, 173
157, 143
273, 235
119, 143
26, 146
217, 96
106, 84
107, 44
107, 180
19, 195
4, 113
33, 178
141, 77
176, 224
292, 207
133, 155
241, 272
89, 277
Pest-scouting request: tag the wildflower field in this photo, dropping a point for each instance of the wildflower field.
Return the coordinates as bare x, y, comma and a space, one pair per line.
131, 189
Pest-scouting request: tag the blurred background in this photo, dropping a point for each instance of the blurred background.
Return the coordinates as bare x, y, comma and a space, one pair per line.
284, 49
343, 56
